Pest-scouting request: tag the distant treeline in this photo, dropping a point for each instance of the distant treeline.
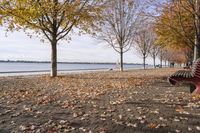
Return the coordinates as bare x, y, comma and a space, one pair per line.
22, 61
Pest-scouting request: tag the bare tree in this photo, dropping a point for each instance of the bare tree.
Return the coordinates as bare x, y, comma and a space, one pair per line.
161, 57
164, 55
143, 42
154, 49
154, 53
120, 21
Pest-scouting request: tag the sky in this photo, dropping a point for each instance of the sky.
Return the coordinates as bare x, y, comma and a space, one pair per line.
18, 46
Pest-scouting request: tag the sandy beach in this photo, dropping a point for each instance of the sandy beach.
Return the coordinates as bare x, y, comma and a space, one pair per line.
135, 101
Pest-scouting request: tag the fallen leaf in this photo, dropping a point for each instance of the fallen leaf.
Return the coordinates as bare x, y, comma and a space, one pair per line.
152, 125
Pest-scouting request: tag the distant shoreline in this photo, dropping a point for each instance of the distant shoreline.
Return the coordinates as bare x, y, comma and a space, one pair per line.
13, 68
21, 61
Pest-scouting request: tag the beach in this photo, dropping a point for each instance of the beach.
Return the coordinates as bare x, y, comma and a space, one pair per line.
98, 102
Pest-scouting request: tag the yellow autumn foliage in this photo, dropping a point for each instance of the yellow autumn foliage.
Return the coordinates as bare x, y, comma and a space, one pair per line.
175, 26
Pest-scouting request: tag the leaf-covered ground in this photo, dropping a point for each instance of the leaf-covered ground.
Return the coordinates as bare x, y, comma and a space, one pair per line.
100, 102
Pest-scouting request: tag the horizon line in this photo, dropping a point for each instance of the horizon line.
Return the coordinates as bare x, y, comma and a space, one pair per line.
74, 62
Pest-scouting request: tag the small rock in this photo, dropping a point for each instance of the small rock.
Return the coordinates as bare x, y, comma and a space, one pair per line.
32, 127
62, 121
142, 121
23, 128
163, 125
175, 119
131, 125
177, 131
161, 118
75, 115
189, 129
120, 117
90, 131
82, 129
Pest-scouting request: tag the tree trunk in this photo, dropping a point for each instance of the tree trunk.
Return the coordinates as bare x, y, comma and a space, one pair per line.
197, 36
53, 58
168, 64
144, 62
195, 51
161, 62
154, 61
121, 60
198, 45
196, 48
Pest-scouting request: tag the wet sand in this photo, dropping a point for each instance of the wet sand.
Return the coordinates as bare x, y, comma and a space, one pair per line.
98, 102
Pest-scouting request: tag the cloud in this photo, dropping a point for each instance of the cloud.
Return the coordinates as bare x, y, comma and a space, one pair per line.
18, 46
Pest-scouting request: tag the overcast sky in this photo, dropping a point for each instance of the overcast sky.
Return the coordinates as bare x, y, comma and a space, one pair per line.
18, 46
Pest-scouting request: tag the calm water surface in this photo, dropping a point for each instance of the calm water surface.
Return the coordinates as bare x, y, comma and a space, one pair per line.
13, 68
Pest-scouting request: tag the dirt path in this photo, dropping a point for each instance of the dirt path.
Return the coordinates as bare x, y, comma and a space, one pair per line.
104, 102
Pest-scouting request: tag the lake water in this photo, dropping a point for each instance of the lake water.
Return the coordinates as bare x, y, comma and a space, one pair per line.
18, 68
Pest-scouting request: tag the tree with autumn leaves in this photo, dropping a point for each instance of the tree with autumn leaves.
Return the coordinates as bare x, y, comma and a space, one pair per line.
171, 55
51, 19
178, 26
54, 20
